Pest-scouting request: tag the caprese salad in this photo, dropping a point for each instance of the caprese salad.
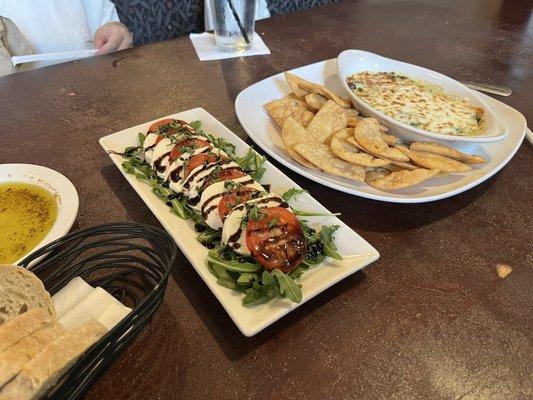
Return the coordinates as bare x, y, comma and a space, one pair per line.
257, 244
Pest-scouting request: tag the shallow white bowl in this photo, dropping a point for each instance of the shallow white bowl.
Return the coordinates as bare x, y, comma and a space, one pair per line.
353, 61
61, 188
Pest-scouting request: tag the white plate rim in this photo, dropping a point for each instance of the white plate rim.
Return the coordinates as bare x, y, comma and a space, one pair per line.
310, 174
400, 125
58, 185
371, 256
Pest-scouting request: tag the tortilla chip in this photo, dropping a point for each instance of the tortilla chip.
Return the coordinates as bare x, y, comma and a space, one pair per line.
391, 140
315, 101
352, 121
446, 151
401, 179
403, 165
293, 82
368, 136
435, 161
293, 133
328, 120
351, 112
322, 156
376, 173
347, 151
316, 88
280, 110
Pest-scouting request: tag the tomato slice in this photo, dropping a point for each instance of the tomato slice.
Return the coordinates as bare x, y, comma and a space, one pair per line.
233, 198
199, 159
158, 124
189, 142
224, 175
282, 246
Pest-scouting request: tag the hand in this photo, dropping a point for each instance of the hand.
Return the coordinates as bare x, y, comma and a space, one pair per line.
111, 37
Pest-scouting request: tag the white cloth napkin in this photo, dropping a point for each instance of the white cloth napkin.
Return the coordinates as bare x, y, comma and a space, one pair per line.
96, 305
70, 295
206, 48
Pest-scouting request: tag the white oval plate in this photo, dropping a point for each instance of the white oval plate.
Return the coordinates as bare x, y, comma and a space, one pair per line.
61, 188
353, 61
264, 132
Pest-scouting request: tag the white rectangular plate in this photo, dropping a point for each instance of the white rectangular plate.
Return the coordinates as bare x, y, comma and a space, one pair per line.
263, 131
250, 320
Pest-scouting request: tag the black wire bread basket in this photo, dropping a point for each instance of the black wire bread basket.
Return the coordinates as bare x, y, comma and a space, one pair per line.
130, 261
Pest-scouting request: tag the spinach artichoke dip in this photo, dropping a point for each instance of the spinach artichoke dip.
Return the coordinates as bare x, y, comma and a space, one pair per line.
416, 103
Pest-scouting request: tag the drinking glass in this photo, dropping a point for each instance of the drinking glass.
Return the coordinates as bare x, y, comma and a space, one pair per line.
234, 22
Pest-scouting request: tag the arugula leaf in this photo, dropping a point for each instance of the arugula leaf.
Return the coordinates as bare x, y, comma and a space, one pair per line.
222, 144
298, 272
227, 283
255, 297
210, 236
267, 278
141, 139
233, 264
252, 162
196, 124
247, 278
293, 193
273, 222
131, 151
287, 286
326, 238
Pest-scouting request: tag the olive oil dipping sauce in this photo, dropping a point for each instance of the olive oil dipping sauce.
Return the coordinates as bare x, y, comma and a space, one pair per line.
27, 213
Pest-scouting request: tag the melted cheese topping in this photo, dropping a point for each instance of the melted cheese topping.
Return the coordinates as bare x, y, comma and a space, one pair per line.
416, 103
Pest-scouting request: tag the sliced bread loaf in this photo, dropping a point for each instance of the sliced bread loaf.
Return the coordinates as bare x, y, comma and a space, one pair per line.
15, 357
46, 367
22, 326
20, 291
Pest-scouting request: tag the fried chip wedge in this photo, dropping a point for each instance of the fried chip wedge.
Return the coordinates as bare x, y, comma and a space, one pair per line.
322, 156
391, 140
401, 179
324, 91
294, 82
293, 133
280, 110
352, 121
368, 136
435, 161
351, 112
347, 151
446, 151
315, 101
328, 120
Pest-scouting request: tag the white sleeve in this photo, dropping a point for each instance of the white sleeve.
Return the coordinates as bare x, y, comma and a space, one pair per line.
98, 13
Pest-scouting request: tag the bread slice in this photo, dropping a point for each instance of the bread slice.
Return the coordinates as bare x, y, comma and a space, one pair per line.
22, 326
15, 357
20, 291
47, 367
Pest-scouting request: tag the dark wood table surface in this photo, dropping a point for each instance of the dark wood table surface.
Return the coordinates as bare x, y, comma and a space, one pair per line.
430, 319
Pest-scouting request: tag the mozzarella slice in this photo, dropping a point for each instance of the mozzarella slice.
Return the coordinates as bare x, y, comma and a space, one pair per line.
191, 185
148, 146
233, 234
212, 195
160, 156
178, 163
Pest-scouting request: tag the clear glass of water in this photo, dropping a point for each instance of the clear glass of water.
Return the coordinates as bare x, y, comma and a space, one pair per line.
234, 22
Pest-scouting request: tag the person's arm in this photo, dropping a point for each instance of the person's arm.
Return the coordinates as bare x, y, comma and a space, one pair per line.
111, 37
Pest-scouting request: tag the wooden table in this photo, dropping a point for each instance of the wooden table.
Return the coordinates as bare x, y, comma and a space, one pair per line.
431, 319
